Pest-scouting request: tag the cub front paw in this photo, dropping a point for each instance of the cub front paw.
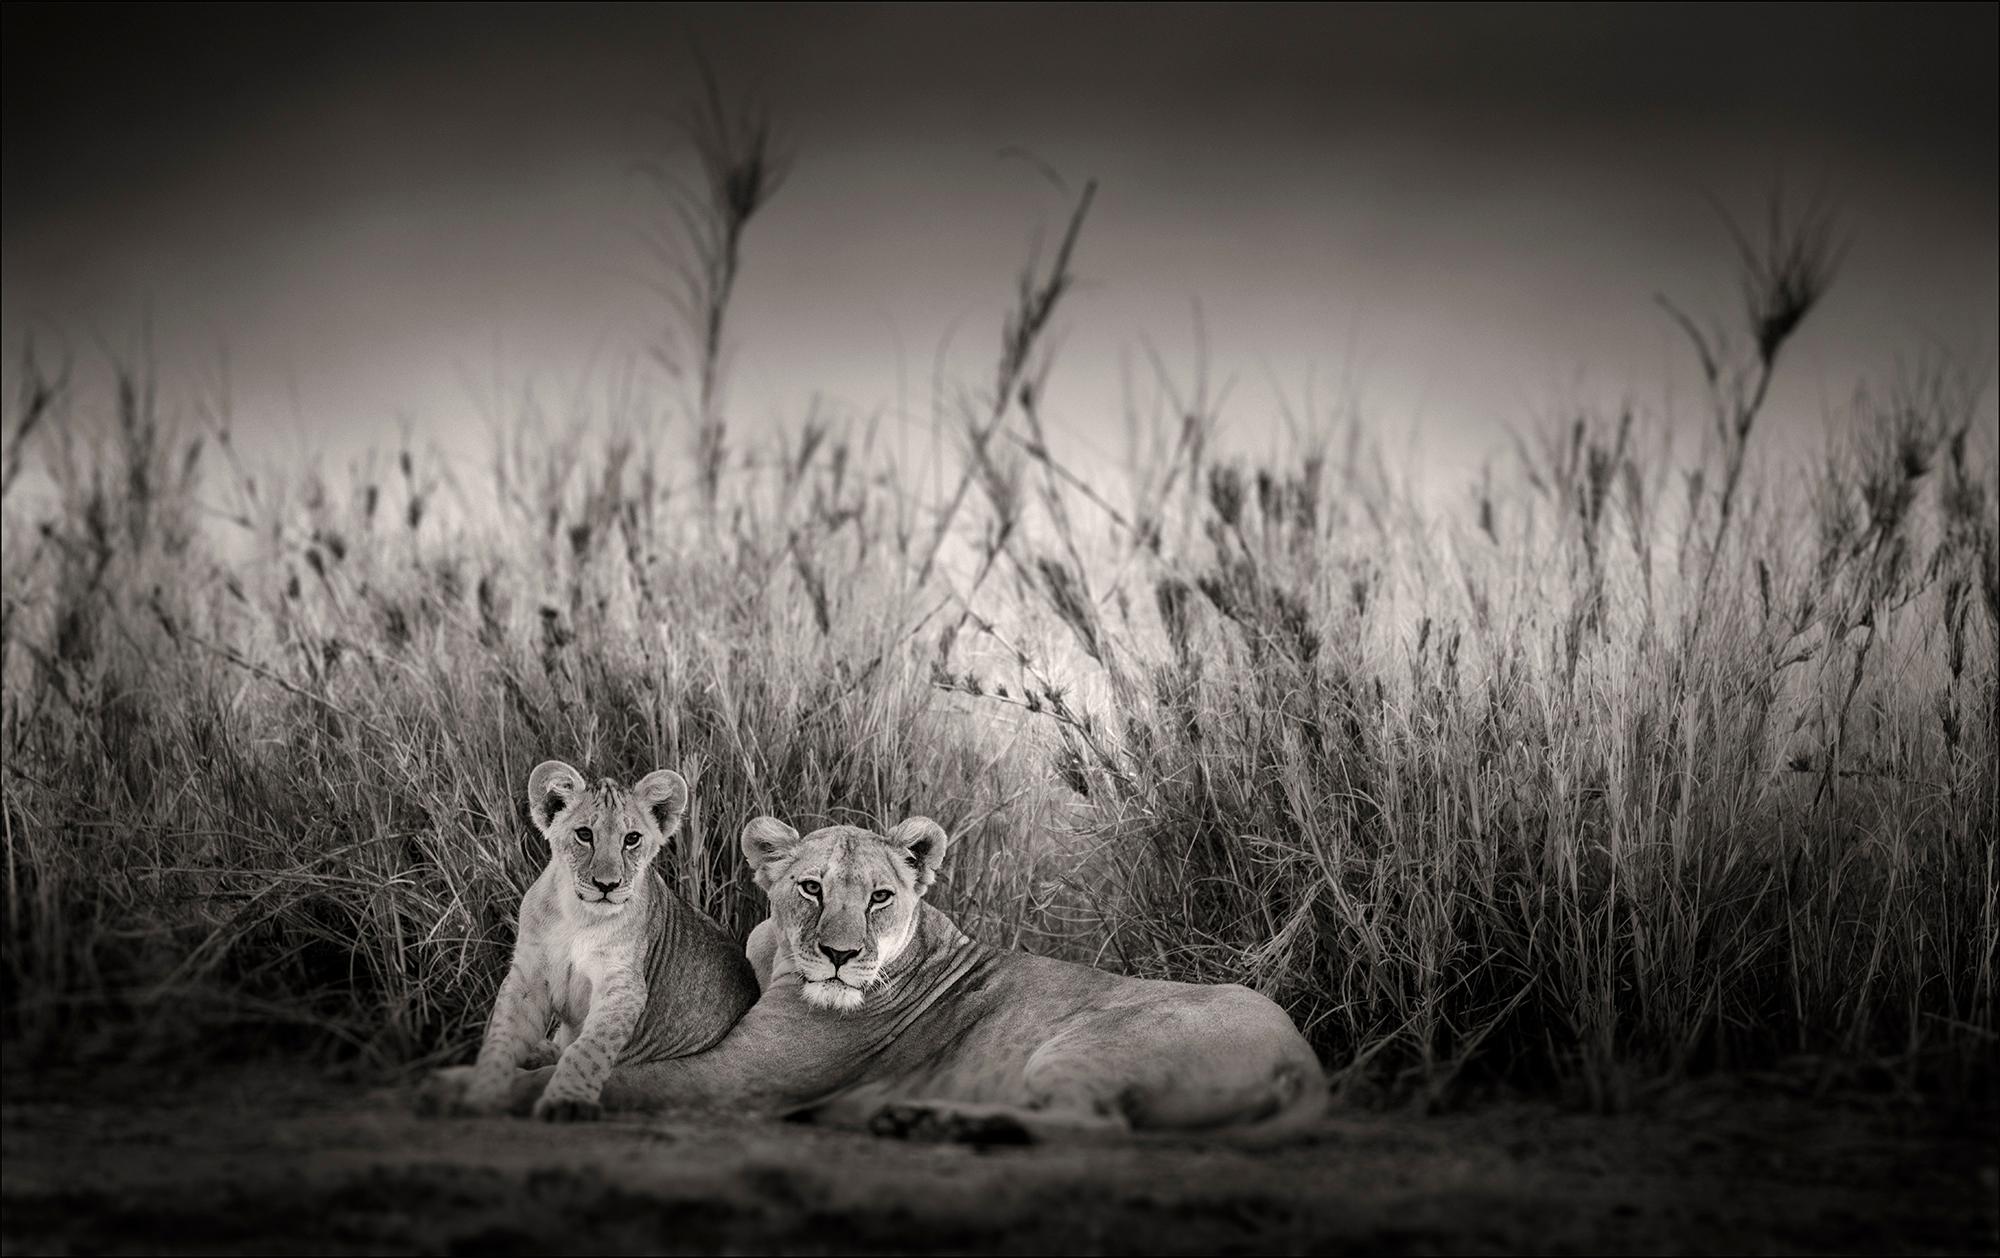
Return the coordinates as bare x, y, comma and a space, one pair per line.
568, 1110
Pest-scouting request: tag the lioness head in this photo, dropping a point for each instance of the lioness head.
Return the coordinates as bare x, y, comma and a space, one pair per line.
604, 835
844, 899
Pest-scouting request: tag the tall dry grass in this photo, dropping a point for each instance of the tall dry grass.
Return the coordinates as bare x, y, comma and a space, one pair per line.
1636, 767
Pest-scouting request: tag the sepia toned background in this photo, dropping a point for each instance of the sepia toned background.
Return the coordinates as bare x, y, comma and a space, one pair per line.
1455, 217
1475, 522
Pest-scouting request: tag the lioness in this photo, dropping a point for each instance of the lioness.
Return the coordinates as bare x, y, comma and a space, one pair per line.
634, 972
877, 1009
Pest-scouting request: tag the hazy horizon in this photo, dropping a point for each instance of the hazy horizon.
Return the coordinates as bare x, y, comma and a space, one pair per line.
1457, 217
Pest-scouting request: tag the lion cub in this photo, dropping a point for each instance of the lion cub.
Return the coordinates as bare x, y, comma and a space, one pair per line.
631, 971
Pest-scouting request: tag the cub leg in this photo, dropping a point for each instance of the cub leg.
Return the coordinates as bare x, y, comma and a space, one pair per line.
573, 1091
520, 1016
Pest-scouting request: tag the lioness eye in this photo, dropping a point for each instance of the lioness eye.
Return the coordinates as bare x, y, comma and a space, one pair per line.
810, 887
583, 835
632, 839
880, 897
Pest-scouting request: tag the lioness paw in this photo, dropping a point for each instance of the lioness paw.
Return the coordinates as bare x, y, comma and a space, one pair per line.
568, 1110
949, 1124
443, 1093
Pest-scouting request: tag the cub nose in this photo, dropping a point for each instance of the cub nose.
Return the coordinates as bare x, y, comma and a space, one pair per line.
839, 956
606, 887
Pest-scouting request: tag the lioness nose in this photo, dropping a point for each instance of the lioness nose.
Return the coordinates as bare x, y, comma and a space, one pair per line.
839, 956
606, 887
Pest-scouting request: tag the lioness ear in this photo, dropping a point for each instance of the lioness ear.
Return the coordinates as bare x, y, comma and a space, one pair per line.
925, 842
767, 840
664, 793
552, 787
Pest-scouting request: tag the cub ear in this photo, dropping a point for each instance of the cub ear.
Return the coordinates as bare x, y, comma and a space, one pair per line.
766, 841
925, 841
552, 787
663, 793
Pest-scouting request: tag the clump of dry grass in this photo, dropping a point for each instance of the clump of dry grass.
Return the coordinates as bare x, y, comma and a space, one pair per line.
287, 782
1601, 786
1578, 796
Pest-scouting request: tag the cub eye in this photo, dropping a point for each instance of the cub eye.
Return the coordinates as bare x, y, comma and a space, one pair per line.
881, 897
583, 835
809, 887
632, 839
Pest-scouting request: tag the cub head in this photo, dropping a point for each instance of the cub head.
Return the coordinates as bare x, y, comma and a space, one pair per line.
604, 836
843, 899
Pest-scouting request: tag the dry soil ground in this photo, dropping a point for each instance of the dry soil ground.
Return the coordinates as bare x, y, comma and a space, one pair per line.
265, 1159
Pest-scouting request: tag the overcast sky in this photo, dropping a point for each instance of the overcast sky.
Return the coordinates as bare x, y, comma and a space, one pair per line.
1461, 215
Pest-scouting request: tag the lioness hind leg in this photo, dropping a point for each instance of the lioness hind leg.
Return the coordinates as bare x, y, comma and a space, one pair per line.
952, 1122
934, 1122
1221, 1058
1063, 1083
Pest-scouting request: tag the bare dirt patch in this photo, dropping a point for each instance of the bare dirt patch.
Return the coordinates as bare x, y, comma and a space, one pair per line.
274, 1160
